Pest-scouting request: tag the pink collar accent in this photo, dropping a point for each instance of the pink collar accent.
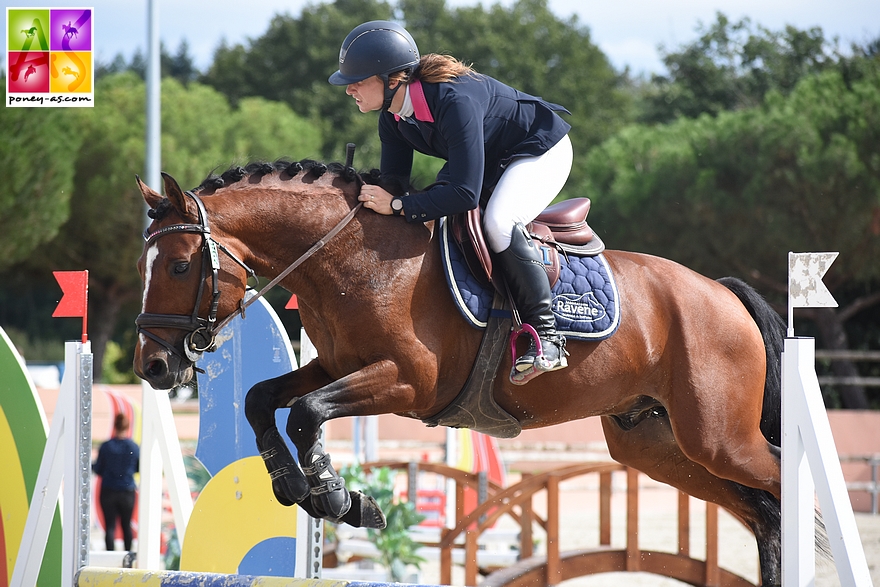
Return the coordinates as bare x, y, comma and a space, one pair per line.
420, 104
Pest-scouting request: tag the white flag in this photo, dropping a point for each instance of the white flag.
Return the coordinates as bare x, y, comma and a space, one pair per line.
805, 287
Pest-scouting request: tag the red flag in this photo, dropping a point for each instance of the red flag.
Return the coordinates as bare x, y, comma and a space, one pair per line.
75, 293
292, 303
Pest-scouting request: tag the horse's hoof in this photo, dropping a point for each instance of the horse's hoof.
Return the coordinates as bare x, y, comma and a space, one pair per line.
364, 512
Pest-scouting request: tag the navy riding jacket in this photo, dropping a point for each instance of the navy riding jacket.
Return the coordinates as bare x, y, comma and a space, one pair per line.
478, 125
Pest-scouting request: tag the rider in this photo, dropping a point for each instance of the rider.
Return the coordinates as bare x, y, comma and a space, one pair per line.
505, 150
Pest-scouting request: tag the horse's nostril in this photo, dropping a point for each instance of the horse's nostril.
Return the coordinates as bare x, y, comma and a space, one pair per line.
155, 369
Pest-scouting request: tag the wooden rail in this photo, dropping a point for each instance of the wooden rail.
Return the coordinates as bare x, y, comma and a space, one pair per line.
848, 355
871, 487
557, 565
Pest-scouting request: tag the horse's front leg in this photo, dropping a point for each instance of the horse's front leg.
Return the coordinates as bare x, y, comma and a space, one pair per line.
375, 389
288, 482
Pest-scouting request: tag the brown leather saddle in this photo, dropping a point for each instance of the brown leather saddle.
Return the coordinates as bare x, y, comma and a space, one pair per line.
561, 227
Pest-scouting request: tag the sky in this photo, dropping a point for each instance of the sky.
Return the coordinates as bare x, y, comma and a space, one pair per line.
627, 31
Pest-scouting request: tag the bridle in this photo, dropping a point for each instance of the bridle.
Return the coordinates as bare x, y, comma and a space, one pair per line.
202, 332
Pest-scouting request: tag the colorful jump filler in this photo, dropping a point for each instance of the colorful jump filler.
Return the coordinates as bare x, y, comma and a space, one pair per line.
49, 52
237, 526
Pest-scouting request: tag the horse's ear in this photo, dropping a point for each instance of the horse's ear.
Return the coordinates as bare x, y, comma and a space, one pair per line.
177, 198
151, 197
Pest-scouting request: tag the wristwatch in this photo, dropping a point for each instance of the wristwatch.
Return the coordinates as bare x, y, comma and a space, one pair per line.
397, 206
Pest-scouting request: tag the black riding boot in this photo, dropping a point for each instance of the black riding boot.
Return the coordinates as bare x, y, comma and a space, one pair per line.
527, 282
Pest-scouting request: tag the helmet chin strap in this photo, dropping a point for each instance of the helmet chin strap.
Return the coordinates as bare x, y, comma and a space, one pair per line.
389, 92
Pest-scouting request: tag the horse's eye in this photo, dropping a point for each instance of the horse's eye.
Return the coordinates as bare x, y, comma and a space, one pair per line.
180, 268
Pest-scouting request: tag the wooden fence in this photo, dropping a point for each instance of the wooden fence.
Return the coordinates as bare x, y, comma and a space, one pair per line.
847, 355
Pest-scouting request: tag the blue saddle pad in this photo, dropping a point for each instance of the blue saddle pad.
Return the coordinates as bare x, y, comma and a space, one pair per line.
585, 300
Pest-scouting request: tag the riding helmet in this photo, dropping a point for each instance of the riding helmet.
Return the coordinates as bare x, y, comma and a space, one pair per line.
378, 47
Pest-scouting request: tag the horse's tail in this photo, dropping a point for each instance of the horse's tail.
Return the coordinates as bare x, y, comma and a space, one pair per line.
772, 328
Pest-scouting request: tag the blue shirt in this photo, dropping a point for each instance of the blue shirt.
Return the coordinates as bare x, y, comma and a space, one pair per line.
478, 125
117, 463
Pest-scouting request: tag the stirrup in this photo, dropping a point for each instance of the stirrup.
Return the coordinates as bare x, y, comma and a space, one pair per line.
535, 362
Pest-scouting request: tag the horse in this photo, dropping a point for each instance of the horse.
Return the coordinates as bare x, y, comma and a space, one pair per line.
70, 31
687, 388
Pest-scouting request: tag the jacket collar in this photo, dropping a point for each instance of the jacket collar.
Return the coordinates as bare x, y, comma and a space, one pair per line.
421, 110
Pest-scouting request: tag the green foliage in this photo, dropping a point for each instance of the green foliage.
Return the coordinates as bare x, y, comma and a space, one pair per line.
562, 64
731, 194
396, 548
200, 132
28, 347
117, 365
267, 130
291, 62
179, 66
37, 153
733, 66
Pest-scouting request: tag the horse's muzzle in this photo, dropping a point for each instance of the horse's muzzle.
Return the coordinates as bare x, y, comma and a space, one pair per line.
163, 370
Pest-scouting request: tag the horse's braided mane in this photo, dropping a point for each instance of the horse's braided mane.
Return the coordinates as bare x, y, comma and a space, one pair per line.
282, 166
234, 174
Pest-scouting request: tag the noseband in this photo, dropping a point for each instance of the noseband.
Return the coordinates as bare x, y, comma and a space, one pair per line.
202, 332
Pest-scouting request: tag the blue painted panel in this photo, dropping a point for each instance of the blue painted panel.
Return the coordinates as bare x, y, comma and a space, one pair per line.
249, 351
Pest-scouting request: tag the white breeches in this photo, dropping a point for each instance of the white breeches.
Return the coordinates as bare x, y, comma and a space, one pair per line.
527, 186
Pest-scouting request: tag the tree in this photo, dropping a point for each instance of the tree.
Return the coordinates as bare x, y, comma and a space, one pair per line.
732, 194
733, 66
107, 218
36, 172
562, 64
180, 66
292, 60
268, 130
290, 63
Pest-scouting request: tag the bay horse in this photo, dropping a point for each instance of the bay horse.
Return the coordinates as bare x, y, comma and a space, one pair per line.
688, 388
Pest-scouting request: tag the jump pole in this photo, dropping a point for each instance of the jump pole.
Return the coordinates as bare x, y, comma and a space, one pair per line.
107, 577
810, 463
315, 535
160, 451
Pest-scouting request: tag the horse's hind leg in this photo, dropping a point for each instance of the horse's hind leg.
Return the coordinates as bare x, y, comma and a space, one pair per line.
649, 446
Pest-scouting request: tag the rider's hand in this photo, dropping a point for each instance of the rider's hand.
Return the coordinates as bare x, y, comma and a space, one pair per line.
376, 199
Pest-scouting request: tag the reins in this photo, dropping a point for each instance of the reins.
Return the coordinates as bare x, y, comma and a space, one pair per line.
314, 249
